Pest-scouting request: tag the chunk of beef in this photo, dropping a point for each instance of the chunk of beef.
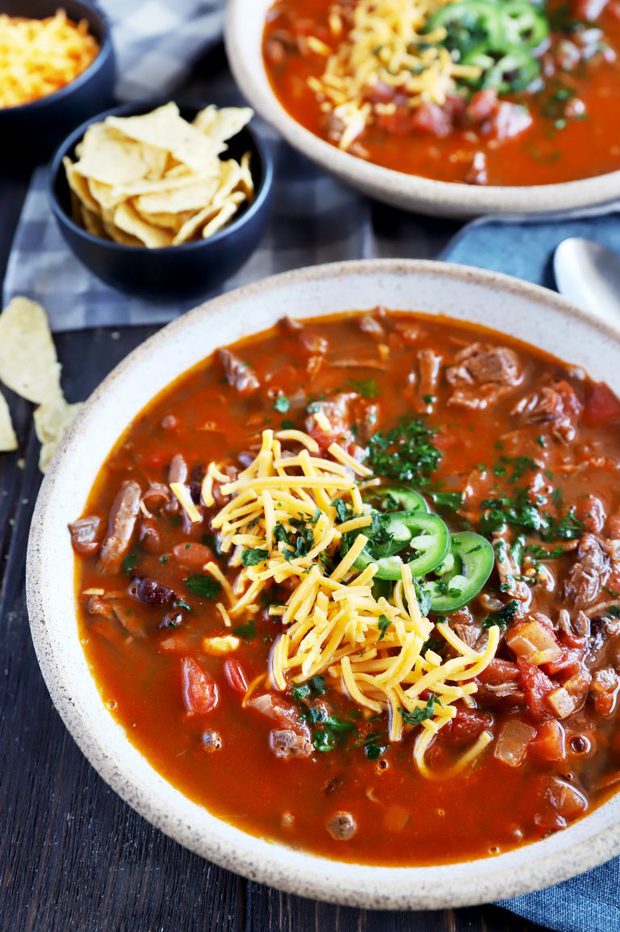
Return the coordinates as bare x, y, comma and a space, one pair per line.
370, 325
342, 826
508, 569
340, 412
178, 471
238, 373
604, 690
557, 405
286, 743
85, 535
429, 367
508, 121
591, 512
588, 574
481, 373
121, 526
432, 120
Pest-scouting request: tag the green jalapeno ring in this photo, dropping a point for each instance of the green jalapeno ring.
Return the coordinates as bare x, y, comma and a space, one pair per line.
403, 499
463, 574
429, 538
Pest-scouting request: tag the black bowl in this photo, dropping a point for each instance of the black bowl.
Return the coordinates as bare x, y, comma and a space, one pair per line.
31, 133
188, 270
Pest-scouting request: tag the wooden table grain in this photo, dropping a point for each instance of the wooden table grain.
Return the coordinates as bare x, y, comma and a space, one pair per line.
73, 856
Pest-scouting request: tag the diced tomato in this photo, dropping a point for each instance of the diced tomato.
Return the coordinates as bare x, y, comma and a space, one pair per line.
235, 675
482, 105
500, 671
432, 119
550, 741
535, 684
560, 803
466, 726
566, 665
602, 405
200, 695
398, 123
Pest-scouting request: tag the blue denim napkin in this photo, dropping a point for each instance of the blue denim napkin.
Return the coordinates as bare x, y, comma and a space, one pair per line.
524, 248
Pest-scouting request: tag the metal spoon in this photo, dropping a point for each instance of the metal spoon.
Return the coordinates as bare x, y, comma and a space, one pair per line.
589, 275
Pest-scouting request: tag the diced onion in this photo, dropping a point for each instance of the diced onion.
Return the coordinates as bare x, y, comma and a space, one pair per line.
513, 741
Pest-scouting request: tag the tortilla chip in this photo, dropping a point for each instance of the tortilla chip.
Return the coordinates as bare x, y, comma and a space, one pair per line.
128, 220
8, 440
92, 222
28, 361
51, 422
246, 182
166, 129
79, 184
105, 196
172, 222
189, 197
223, 124
221, 219
110, 159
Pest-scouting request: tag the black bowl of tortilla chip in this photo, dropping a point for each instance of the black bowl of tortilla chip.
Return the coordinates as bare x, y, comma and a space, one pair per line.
60, 71
163, 200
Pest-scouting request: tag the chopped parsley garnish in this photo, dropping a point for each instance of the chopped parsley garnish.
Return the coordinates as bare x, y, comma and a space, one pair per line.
300, 539
375, 745
203, 585
331, 731
254, 556
503, 617
383, 624
129, 563
247, 630
433, 644
539, 553
366, 387
421, 714
405, 452
282, 404
287, 424
344, 510
517, 511
314, 686
179, 603
520, 465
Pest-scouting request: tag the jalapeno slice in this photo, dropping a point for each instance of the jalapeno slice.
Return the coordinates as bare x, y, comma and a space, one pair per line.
514, 70
467, 24
427, 544
522, 24
398, 498
463, 574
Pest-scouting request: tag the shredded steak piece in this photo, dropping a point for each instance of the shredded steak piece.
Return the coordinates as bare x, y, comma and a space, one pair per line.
481, 374
121, 526
342, 826
238, 373
339, 411
178, 470
370, 325
286, 743
429, 367
556, 405
588, 574
85, 534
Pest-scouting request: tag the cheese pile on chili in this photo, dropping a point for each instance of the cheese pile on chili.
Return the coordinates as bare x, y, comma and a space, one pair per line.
332, 622
384, 52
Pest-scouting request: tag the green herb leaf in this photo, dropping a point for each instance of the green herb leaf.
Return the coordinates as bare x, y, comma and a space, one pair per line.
383, 624
366, 387
450, 501
254, 556
282, 404
247, 630
129, 563
421, 714
503, 617
203, 585
405, 452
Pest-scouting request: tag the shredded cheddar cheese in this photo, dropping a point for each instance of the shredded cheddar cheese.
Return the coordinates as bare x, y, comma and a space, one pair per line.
385, 50
332, 621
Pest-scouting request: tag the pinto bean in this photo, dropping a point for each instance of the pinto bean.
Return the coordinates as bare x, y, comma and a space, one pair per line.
192, 555
121, 526
85, 534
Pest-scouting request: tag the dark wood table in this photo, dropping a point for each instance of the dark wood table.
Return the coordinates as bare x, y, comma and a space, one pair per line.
72, 855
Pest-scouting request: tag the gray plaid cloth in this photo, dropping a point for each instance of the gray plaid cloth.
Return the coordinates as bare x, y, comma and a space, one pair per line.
315, 218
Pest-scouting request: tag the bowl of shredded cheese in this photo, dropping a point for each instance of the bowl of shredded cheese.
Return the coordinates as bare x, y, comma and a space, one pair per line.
56, 70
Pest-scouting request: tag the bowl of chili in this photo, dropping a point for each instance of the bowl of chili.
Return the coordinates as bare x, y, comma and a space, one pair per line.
453, 109
369, 556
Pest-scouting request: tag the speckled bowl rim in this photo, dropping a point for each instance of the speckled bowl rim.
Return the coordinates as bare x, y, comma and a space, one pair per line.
412, 192
593, 840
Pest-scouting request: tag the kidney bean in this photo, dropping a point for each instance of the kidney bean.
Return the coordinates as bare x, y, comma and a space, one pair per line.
150, 592
192, 555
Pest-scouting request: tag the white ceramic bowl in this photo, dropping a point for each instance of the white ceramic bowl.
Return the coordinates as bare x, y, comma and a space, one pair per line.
244, 32
529, 313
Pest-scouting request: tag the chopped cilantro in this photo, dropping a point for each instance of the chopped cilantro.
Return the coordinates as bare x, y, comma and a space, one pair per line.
179, 603
254, 556
433, 644
503, 617
164, 558
450, 501
332, 729
248, 630
129, 563
282, 404
314, 686
287, 424
421, 714
375, 745
366, 387
203, 585
405, 452
429, 399
344, 511
539, 553
383, 624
